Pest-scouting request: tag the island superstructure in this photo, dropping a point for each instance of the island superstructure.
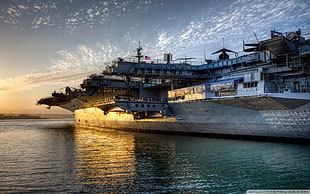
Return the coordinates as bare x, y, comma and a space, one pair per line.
265, 92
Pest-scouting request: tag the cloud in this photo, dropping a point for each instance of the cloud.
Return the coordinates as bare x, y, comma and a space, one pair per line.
235, 23
69, 15
29, 81
26, 82
164, 41
70, 68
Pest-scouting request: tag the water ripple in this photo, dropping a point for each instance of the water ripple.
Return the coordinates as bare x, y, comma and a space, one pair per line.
48, 156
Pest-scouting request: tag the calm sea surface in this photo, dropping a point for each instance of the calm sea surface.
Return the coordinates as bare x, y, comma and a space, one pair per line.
48, 156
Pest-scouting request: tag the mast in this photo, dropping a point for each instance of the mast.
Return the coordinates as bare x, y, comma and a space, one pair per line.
139, 54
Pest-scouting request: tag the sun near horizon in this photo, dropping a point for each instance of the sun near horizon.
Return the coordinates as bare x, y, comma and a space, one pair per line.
24, 102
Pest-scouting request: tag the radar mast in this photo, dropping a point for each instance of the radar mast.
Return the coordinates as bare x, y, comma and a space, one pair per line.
139, 54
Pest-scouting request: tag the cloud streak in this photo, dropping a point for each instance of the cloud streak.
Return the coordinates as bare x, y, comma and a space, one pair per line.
26, 82
71, 67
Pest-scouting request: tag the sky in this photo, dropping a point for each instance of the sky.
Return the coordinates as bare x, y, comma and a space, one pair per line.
47, 45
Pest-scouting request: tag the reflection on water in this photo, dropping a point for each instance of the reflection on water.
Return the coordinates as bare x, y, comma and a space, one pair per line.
34, 157
105, 160
117, 161
47, 157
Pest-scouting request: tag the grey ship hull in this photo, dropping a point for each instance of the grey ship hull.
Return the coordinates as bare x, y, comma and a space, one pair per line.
207, 117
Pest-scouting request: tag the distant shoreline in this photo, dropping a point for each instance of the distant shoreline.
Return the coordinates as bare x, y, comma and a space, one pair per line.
29, 116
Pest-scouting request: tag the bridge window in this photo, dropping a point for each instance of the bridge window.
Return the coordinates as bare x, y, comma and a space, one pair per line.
250, 85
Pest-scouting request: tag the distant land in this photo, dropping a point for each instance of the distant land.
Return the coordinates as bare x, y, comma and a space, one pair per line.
30, 116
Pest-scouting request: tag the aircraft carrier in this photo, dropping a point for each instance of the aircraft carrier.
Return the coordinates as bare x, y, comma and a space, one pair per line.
263, 93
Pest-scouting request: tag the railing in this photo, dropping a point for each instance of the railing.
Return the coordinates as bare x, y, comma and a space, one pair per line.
113, 99
274, 87
147, 66
254, 57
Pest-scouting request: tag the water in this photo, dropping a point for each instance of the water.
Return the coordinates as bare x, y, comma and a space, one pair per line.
49, 156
